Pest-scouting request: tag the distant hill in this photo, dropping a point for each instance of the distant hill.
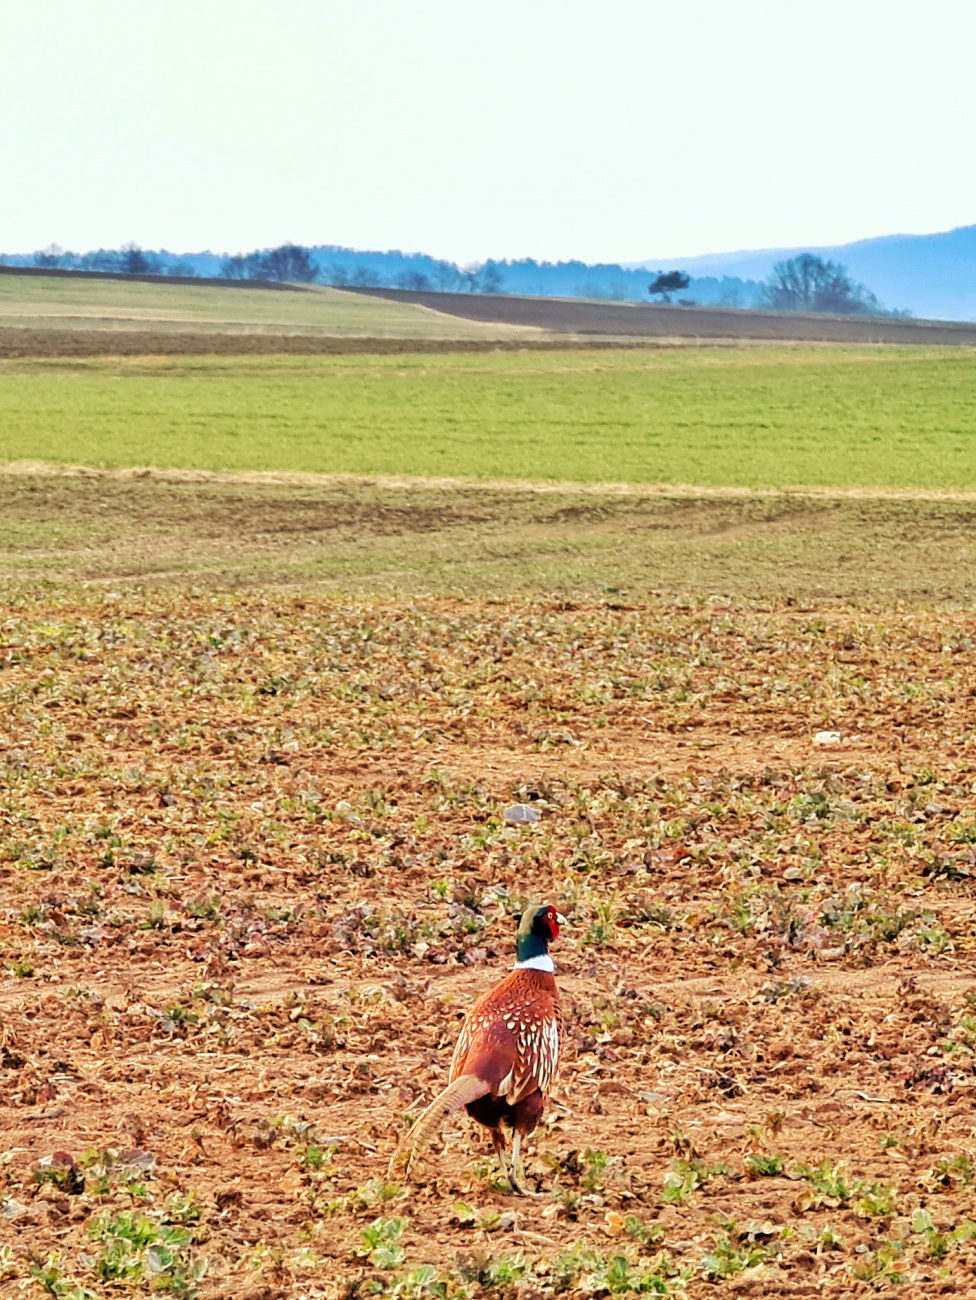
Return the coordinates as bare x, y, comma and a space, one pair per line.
934, 276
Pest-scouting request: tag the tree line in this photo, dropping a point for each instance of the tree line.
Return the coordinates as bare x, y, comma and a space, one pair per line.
351, 268
803, 283
288, 263
295, 264
130, 259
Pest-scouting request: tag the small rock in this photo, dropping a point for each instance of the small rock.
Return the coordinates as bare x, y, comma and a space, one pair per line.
792, 873
652, 1098
757, 1229
137, 1158
521, 813
827, 738
832, 954
344, 809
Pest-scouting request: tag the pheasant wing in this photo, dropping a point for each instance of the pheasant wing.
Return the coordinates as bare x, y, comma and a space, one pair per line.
511, 1038
536, 1057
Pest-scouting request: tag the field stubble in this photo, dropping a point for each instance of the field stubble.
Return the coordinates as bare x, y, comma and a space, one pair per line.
411, 538
253, 867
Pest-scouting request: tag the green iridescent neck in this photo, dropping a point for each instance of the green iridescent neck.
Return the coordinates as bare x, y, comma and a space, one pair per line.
530, 945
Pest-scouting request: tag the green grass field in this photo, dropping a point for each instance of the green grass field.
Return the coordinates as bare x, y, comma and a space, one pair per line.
778, 417
59, 303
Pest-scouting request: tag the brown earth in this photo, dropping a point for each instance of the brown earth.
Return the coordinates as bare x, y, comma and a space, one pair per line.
15, 342
253, 867
644, 320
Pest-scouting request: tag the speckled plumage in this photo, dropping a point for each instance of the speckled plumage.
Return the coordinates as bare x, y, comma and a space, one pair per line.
510, 1037
507, 1053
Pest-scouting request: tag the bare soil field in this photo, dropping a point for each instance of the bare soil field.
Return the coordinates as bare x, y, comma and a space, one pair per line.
17, 343
254, 866
644, 320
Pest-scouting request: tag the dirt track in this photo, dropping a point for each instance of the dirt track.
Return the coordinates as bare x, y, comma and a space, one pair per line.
253, 868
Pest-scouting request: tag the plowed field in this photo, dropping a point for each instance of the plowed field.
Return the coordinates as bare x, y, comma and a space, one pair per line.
647, 320
254, 867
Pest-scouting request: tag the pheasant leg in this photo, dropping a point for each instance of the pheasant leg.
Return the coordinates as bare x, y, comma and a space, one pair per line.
498, 1142
517, 1176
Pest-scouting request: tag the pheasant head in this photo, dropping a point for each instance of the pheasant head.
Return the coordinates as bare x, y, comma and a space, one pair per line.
538, 927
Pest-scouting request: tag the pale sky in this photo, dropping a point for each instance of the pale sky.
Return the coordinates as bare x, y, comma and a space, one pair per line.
608, 130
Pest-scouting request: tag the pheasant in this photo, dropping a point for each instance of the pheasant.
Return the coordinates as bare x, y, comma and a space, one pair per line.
507, 1053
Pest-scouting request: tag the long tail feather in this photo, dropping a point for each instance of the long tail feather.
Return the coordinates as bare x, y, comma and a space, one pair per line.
457, 1094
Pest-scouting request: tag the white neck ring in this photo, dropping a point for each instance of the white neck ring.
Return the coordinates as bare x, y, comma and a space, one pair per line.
543, 962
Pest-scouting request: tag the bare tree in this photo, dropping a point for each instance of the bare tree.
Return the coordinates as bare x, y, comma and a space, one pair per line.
483, 279
290, 263
808, 283
100, 259
133, 261
335, 275
446, 278
492, 279
240, 267
415, 280
52, 256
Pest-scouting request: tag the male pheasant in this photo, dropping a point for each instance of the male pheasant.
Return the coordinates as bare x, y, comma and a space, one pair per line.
507, 1053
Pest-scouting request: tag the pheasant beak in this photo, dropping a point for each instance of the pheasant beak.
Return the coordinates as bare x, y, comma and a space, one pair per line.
560, 919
